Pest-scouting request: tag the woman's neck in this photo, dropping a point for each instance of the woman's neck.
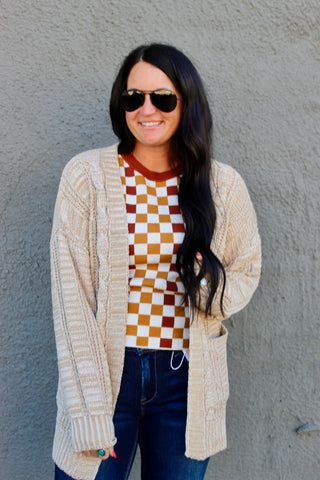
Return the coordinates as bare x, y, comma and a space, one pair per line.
154, 158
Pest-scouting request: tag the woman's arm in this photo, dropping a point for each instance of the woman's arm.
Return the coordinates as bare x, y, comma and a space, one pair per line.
84, 382
242, 252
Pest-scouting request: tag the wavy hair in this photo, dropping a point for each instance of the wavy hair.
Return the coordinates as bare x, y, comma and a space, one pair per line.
191, 146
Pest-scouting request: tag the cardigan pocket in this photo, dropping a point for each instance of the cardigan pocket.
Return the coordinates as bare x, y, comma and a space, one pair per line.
216, 374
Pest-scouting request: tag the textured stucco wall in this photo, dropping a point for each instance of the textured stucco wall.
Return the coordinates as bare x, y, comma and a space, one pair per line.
260, 62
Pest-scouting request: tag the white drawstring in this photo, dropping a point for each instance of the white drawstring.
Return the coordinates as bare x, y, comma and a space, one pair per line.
185, 355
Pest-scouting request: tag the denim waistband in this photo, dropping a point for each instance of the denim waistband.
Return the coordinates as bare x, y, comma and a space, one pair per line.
141, 351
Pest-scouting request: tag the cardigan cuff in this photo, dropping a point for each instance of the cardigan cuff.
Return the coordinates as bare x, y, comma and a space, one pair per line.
92, 432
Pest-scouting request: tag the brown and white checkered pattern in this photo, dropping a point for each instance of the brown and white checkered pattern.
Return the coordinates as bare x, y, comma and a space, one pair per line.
157, 317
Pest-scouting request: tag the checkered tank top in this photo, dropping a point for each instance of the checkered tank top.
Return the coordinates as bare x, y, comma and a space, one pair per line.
157, 315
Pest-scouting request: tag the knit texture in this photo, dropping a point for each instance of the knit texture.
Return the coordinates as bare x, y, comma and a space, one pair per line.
157, 317
90, 269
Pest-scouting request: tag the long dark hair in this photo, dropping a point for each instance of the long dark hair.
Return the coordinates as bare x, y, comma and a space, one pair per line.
191, 146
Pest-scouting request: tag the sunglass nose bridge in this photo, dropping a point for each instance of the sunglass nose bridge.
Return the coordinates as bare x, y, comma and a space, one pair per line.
148, 104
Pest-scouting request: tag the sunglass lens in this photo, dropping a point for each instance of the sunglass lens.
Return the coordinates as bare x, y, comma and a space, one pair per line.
131, 100
164, 101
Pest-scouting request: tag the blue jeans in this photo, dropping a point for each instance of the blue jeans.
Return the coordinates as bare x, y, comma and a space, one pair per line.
151, 411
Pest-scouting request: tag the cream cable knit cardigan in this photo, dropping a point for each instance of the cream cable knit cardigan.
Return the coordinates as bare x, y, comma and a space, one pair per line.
89, 260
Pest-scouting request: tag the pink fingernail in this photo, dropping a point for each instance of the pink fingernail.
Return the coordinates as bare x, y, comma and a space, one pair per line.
114, 454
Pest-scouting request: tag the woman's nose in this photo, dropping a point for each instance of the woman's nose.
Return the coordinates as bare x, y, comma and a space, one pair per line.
147, 108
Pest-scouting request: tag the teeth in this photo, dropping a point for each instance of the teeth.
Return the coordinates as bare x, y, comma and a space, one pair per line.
150, 124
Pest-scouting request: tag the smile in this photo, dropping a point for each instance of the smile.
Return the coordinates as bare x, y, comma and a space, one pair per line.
150, 124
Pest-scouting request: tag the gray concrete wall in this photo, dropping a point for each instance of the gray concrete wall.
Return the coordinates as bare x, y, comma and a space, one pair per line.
260, 62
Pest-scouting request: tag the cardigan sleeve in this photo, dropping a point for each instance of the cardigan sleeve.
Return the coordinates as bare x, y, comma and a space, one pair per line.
84, 391
241, 256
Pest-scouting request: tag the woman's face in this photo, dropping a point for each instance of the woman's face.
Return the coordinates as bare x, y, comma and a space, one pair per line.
150, 126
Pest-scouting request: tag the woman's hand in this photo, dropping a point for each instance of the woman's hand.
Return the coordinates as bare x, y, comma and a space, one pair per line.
109, 452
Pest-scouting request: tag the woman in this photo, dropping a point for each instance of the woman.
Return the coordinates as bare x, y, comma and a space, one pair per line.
153, 245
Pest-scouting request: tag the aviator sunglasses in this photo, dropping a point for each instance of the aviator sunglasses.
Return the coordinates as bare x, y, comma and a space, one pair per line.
162, 99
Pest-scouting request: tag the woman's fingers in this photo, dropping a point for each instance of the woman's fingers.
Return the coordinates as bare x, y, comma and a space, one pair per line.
105, 456
88, 453
109, 452
112, 452
198, 263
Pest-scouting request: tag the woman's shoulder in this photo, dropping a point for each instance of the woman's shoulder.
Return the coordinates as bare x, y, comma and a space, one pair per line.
228, 184
89, 160
224, 173
85, 169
